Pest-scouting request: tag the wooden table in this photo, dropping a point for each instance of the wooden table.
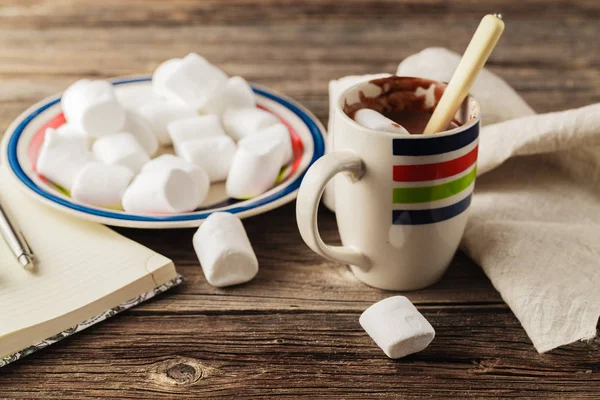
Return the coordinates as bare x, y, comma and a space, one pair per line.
294, 329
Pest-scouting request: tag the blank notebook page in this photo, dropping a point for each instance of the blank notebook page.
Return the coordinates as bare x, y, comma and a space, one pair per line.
78, 262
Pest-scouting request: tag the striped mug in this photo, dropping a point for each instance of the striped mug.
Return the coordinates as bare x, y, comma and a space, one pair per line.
401, 206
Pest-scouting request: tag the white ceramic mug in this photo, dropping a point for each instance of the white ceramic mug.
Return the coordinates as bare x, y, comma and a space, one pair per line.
401, 206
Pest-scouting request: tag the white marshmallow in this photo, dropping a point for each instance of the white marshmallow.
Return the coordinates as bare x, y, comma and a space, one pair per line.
160, 115
198, 127
92, 107
62, 157
373, 120
121, 148
255, 167
214, 155
236, 93
160, 75
397, 327
169, 161
141, 130
101, 185
224, 251
164, 190
279, 133
133, 96
241, 122
191, 80
68, 130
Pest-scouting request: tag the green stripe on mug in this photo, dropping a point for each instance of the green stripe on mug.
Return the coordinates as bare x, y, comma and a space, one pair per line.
432, 193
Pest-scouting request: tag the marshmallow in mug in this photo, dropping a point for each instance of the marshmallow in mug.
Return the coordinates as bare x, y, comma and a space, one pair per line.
191, 80
371, 119
198, 127
213, 154
241, 122
164, 190
121, 148
224, 250
140, 128
278, 133
161, 114
169, 161
397, 327
236, 93
62, 157
101, 184
255, 167
91, 106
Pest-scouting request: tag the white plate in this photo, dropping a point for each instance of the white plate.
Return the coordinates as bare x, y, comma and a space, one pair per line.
25, 135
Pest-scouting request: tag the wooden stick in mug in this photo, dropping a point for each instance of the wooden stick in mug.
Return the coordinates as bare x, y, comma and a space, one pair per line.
481, 46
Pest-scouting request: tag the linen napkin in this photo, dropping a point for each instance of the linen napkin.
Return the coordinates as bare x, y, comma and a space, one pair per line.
534, 221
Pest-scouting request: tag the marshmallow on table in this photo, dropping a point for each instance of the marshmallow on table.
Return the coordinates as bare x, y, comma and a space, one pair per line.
241, 122
397, 327
214, 155
278, 133
164, 190
140, 128
373, 120
255, 167
121, 148
224, 251
236, 93
101, 184
161, 114
191, 80
169, 161
198, 127
62, 157
92, 107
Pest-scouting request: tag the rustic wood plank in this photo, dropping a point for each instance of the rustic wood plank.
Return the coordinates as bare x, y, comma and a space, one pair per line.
294, 329
312, 354
53, 13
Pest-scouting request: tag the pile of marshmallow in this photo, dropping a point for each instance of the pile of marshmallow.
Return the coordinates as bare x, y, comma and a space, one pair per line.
103, 154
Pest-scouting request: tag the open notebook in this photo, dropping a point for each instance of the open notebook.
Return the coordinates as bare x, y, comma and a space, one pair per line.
85, 273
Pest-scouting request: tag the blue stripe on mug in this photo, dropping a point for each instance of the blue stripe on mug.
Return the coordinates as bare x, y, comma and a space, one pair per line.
422, 217
431, 145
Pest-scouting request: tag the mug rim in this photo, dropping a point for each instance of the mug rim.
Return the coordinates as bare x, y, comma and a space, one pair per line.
450, 132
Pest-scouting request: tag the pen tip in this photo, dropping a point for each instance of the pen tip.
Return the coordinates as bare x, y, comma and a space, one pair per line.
26, 261
498, 15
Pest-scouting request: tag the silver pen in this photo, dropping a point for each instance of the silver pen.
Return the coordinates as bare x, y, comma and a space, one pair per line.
16, 241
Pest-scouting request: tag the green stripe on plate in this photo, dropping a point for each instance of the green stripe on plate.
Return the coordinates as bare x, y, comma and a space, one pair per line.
433, 193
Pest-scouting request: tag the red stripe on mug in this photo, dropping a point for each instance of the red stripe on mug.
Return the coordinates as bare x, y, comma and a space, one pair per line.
430, 172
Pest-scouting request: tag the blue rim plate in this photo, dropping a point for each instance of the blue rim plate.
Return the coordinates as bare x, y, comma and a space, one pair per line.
18, 140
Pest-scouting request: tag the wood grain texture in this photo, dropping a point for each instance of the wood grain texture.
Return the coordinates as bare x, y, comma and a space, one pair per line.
294, 329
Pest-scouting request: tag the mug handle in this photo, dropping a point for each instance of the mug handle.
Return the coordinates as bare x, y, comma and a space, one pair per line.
307, 205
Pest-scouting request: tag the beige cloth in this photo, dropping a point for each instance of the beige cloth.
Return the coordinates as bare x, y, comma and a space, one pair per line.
535, 218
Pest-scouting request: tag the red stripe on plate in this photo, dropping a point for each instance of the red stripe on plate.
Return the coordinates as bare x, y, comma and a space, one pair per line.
297, 145
430, 172
38, 138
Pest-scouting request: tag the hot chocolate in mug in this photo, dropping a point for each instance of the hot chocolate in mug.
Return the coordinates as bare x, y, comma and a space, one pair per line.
401, 204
